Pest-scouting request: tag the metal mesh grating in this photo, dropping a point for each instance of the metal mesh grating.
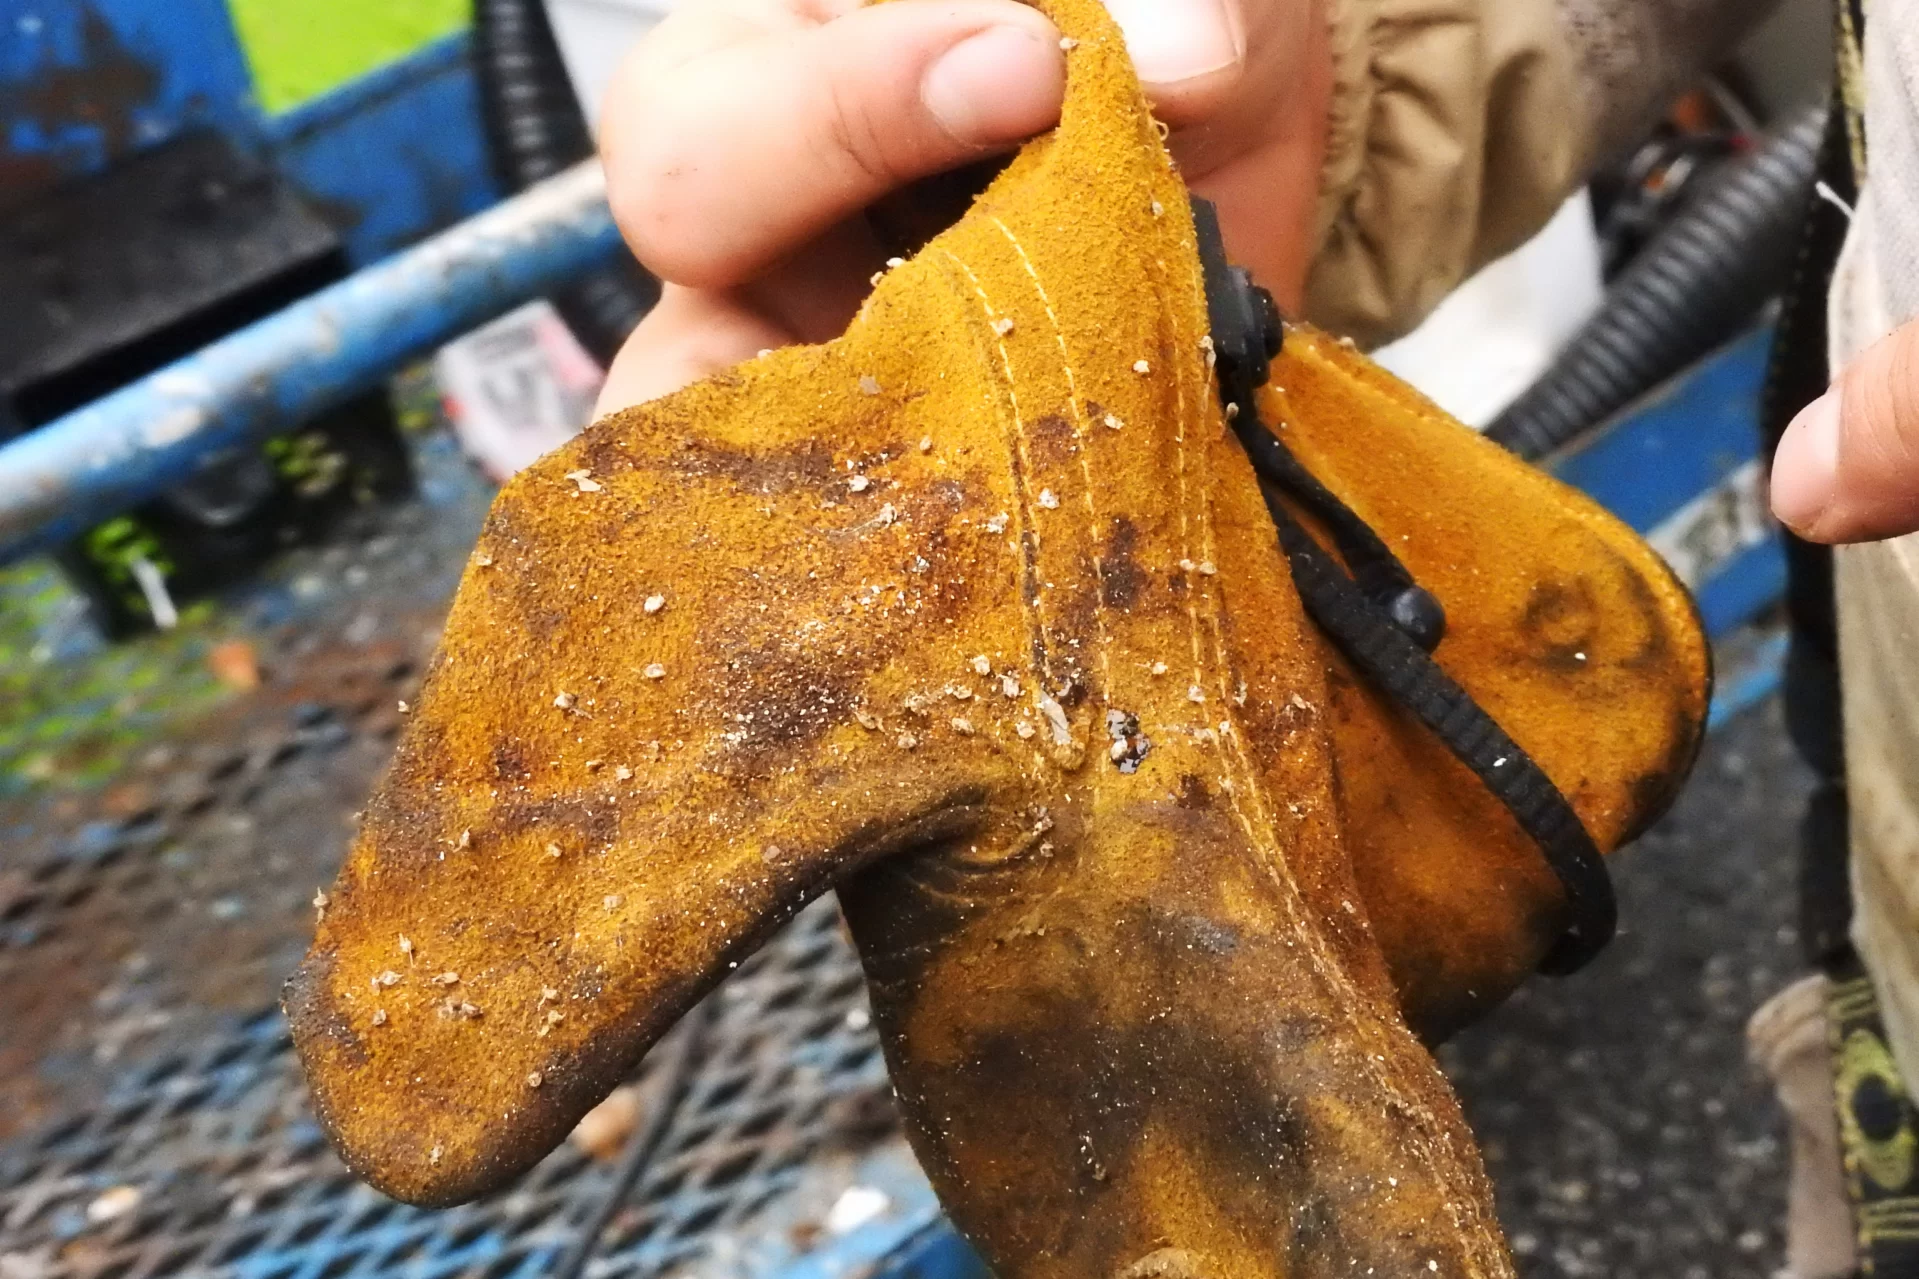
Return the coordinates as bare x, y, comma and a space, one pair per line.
234, 1177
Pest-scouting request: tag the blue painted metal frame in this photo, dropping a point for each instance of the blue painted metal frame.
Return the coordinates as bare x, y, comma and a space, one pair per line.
394, 155
83, 82
150, 435
1685, 442
391, 157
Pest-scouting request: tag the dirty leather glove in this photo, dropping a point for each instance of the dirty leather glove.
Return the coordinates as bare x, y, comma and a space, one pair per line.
976, 614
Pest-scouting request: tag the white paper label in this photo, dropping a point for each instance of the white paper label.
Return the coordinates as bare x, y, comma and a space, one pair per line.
517, 388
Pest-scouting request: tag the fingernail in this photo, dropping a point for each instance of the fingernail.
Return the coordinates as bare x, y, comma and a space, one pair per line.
1000, 85
1806, 467
1176, 40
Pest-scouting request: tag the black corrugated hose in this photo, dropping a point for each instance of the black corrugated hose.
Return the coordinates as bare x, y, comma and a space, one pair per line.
534, 129
1695, 286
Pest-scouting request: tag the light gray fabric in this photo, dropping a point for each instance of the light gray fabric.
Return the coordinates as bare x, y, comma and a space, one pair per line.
1892, 133
1875, 290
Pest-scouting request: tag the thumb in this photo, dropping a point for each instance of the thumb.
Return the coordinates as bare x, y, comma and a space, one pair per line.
1190, 54
1847, 469
728, 144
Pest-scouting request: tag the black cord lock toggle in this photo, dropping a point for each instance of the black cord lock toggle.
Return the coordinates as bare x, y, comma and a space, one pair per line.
1248, 333
1417, 612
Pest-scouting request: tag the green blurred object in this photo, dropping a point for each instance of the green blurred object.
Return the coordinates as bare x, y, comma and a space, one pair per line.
74, 711
299, 49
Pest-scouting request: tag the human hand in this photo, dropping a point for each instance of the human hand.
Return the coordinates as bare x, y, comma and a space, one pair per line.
743, 140
1847, 469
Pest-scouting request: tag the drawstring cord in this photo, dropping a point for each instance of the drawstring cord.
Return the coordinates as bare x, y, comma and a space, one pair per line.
1378, 616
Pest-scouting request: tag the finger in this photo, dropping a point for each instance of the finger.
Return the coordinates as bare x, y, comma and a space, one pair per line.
722, 161
1260, 153
1847, 469
690, 334
1190, 55
695, 333
815, 293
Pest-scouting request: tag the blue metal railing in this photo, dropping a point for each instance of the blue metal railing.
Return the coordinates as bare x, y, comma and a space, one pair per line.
146, 437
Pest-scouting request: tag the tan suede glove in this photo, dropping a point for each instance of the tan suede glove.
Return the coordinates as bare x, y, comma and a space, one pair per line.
1459, 126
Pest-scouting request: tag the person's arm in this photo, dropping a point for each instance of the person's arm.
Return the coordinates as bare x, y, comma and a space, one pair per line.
1459, 126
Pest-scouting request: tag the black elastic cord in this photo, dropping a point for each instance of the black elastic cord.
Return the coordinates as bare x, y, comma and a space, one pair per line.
1375, 569
1357, 622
